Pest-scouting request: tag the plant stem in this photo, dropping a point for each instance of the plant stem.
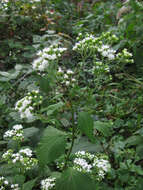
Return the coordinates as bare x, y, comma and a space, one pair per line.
72, 140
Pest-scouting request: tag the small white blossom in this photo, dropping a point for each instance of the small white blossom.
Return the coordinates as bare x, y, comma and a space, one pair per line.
26, 151
47, 184
83, 165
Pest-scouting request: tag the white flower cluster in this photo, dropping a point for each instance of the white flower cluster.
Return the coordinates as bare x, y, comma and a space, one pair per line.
107, 51
23, 158
90, 163
46, 56
102, 165
85, 44
26, 105
48, 183
15, 187
82, 165
90, 46
82, 162
66, 77
4, 184
16, 133
83, 154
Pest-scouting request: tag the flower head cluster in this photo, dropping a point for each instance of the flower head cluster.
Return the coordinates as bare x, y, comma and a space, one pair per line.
23, 158
91, 45
66, 77
82, 165
47, 56
107, 51
48, 183
16, 133
86, 43
4, 184
89, 163
125, 56
102, 166
15, 187
82, 161
26, 105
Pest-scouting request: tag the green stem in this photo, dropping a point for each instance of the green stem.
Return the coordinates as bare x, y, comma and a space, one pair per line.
72, 140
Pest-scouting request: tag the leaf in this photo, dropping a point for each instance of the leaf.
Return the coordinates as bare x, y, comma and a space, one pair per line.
17, 179
52, 108
51, 146
84, 144
85, 124
140, 132
44, 84
139, 150
31, 131
74, 180
134, 140
28, 185
104, 127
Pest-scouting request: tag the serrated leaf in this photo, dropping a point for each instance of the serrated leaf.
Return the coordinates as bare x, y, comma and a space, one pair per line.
51, 146
29, 185
74, 180
85, 124
103, 127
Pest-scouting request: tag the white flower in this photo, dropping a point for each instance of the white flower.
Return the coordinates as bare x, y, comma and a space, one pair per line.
105, 53
48, 183
17, 127
83, 164
102, 164
52, 57
105, 47
26, 151
60, 70
111, 56
5, 182
15, 186
69, 72
67, 83
9, 133
66, 76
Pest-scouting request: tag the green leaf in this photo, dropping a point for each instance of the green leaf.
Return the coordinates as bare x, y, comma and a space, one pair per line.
84, 144
140, 132
134, 140
103, 127
17, 179
44, 84
85, 124
52, 108
139, 150
31, 131
74, 180
28, 185
51, 146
